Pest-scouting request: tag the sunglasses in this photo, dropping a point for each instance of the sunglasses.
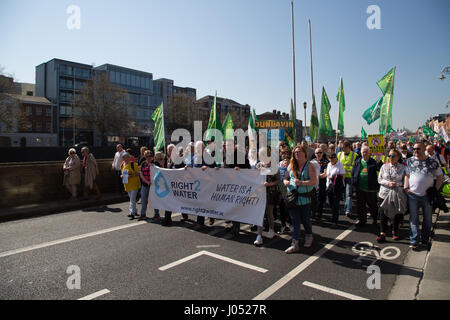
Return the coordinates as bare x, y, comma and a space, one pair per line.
417, 149
319, 152
392, 156
333, 157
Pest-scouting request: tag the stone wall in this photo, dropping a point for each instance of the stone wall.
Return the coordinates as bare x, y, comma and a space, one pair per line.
37, 182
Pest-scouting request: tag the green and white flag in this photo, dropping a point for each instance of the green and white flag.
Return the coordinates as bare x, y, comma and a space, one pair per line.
252, 150
314, 123
340, 98
386, 85
363, 133
158, 131
325, 127
290, 135
373, 113
214, 122
227, 127
428, 131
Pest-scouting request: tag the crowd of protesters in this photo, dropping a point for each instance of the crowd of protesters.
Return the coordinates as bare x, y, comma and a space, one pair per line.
385, 187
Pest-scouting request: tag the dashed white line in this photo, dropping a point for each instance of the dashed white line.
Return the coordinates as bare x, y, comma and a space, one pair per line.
60, 241
333, 291
301, 267
95, 294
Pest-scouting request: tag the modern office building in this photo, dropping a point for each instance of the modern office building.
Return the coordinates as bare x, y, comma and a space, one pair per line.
60, 80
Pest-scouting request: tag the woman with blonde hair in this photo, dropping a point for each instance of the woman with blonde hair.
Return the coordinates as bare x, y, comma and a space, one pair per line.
72, 173
300, 180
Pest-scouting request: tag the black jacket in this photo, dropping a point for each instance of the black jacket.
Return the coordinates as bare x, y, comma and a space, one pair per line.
372, 168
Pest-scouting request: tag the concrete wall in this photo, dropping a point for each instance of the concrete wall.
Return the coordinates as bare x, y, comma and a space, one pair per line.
37, 182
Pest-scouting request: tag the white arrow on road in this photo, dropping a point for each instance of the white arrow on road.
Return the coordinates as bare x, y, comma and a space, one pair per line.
217, 256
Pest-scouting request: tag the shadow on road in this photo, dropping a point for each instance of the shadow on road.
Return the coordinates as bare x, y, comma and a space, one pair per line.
102, 209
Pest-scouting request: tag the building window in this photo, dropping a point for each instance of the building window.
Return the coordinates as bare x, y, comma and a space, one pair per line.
29, 110
112, 76
39, 111
48, 127
38, 126
133, 80
48, 112
29, 93
147, 83
128, 79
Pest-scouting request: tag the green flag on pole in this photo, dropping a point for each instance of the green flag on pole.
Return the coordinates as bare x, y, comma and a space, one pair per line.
325, 127
214, 121
386, 84
363, 133
373, 113
158, 131
290, 134
314, 123
227, 127
428, 131
340, 98
252, 139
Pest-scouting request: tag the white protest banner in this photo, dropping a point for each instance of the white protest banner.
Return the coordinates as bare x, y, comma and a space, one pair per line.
228, 194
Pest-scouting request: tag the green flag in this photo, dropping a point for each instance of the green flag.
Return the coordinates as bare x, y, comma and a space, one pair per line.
252, 139
314, 123
340, 98
363, 133
325, 127
227, 127
412, 139
214, 122
158, 131
290, 134
428, 131
386, 85
373, 113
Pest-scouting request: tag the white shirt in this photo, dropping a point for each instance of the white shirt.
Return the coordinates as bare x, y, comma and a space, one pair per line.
118, 158
337, 169
317, 167
421, 174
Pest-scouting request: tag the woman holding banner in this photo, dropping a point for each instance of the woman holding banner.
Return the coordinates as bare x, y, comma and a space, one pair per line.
300, 180
272, 195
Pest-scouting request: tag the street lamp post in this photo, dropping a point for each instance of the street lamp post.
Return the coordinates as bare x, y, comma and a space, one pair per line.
304, 106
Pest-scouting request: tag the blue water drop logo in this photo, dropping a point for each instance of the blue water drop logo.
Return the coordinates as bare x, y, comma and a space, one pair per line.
161, 187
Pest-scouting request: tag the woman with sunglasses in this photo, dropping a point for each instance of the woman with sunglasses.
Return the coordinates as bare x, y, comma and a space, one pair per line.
391, 179
335, 186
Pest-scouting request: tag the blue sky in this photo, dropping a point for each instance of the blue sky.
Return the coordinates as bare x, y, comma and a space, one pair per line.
243, 49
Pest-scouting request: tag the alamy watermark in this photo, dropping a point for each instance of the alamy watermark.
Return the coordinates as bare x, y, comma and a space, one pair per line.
74, 281
74, 20
374, 20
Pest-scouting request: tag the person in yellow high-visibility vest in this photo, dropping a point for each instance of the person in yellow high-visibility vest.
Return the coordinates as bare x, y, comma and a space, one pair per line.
347, 157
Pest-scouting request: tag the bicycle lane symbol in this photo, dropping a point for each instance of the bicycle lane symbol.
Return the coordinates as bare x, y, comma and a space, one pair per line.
367, 251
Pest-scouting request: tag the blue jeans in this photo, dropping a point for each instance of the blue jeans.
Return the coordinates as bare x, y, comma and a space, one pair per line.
300, 214
132, 195
144, 198
348, 194
414, 202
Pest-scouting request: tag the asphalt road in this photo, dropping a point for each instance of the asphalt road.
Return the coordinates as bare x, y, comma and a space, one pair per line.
122, 259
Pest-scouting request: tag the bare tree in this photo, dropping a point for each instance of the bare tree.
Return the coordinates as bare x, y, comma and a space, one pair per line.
103, 106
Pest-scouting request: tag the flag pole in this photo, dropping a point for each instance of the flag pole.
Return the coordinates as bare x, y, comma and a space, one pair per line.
312, 78
339, 109
293, 65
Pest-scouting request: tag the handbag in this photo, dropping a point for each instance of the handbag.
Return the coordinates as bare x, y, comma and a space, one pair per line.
292, 195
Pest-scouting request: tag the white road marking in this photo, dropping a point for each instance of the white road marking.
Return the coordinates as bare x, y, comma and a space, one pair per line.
209, 246
65, 240
217, 256
301, 267
333, 291
95, 294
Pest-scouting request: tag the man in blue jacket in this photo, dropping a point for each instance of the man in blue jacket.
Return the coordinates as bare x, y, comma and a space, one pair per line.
365, 180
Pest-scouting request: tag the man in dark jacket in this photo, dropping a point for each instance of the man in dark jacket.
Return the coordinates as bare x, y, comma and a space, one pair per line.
365, 180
